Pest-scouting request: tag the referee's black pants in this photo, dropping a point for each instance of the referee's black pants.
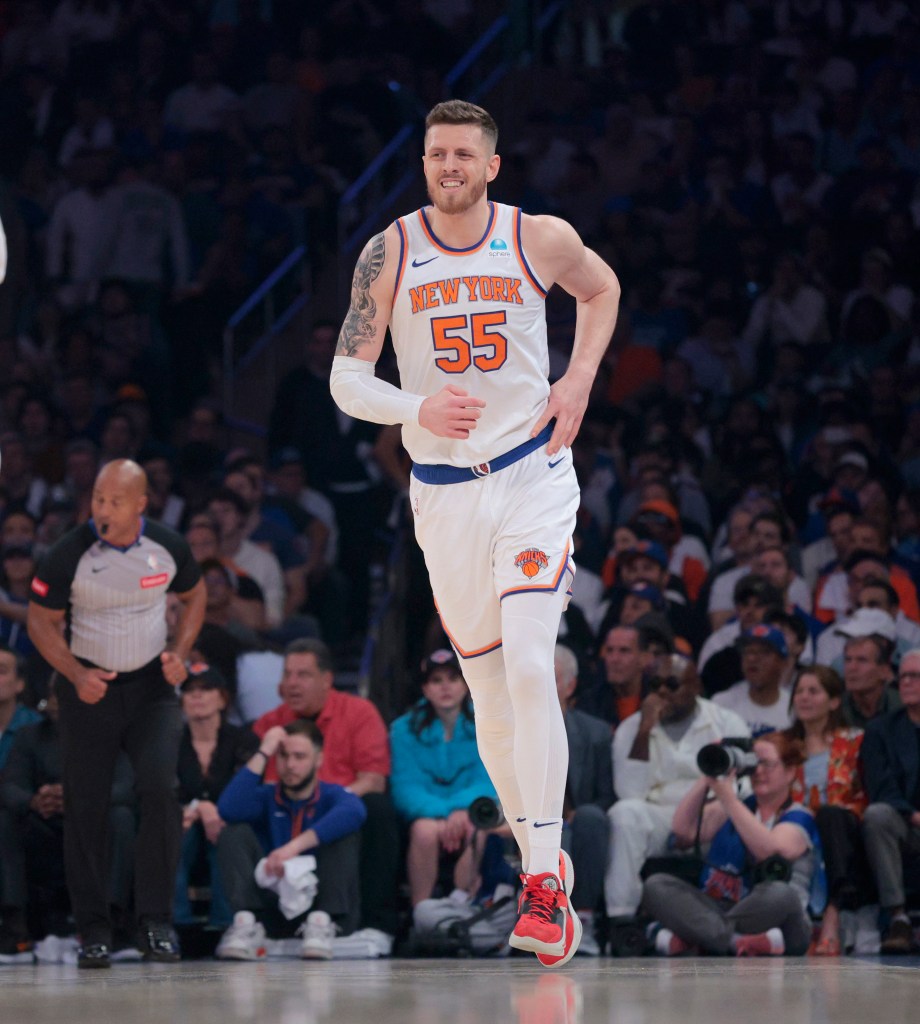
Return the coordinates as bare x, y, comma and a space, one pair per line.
140, 715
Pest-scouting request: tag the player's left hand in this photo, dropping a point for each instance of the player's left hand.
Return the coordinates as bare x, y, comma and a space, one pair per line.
173, 668
568, 399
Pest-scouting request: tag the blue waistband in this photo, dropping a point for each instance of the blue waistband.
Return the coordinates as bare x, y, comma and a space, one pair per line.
459, 475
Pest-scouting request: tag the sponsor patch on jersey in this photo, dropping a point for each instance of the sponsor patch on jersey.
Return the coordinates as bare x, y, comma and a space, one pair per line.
499, 247
154, 581
530, 562
40, 587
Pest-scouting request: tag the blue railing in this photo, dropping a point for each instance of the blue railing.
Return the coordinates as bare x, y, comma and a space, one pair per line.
265, 300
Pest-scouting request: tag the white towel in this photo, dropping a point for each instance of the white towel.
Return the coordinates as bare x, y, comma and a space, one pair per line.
296, 889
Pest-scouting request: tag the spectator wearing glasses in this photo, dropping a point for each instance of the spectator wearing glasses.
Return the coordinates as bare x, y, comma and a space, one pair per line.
891, 824
437, 773
740, 907
654, 765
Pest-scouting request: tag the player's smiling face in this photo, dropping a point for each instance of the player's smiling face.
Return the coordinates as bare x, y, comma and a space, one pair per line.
459, 163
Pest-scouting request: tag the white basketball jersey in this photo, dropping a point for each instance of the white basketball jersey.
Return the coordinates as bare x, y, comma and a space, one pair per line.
475, 318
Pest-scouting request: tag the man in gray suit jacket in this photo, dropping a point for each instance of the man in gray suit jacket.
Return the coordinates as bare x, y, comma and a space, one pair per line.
588, 795
891, 825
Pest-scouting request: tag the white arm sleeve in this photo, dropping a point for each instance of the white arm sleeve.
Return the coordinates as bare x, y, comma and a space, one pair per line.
359, 393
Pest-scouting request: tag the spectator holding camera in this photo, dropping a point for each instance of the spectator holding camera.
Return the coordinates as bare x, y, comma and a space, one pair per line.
654, 764
829, 784
891, 824
763, 860
437, 773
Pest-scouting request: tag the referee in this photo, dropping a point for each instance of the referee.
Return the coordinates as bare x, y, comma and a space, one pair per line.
97, 613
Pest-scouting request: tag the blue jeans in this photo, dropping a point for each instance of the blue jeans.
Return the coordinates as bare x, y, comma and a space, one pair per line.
194, 843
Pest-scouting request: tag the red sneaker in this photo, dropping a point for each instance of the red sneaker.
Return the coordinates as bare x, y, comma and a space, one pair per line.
542, 913
573, 925
769, 943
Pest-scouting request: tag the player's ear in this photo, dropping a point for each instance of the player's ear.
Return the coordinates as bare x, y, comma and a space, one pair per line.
493, 166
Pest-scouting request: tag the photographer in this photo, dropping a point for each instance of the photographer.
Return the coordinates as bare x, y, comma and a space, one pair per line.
741, 906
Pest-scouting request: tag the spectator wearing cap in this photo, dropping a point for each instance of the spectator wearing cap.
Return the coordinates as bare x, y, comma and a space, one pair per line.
211, 752
437, 774
17, 567
640, 599
758, 698
891, 823
875, 615
588, 796
356, 755
654, 765
688, 559
868, 673
646, 561
836, 596
719, 663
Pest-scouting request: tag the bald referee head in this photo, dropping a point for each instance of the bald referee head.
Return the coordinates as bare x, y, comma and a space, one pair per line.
119, 501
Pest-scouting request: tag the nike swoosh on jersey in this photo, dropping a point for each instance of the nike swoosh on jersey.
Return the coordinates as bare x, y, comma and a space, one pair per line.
421, 263
543, 824
553, 465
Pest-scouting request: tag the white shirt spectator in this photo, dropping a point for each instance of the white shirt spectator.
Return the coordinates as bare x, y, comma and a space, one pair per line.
760, 718
722, 595
264, 568
803, 318
193, 108
73, 236
671, 766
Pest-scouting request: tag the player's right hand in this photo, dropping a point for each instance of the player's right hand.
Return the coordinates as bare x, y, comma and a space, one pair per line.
92, 684
452, 412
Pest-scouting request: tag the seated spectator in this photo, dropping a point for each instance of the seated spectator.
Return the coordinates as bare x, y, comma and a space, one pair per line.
758, 698
866, 620
836, 593
891, 823
719, 662
32, 817
588, 796
618, 693
241, 618
867, 676
297, 815
798, 643
13, 714
654, 765
740, 907
210, 753
17, 567
437, 774
356, 755
658, 520
829, 784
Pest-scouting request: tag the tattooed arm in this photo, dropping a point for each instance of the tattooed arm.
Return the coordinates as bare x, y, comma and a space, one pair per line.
449, 413
372, 286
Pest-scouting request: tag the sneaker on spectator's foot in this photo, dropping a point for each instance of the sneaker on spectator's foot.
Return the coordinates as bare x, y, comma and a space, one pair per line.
768, 943
94, 956
15, 943
899, 939
159, 942
573, 925
669, 944
317, 931
243, 940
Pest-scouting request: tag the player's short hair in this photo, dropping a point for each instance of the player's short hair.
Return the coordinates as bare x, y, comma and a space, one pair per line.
461, 112
308, 728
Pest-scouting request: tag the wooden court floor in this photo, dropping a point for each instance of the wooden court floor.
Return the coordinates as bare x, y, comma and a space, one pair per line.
618, 991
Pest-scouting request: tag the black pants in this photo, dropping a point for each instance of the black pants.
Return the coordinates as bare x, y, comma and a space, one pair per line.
381, 854
143, 718
849, 880
238, 853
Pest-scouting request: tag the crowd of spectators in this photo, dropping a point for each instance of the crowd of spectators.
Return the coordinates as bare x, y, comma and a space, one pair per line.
749, 533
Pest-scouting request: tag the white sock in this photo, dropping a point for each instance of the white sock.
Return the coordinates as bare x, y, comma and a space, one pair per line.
545, 835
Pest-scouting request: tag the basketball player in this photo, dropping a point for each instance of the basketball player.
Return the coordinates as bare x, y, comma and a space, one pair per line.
461, 285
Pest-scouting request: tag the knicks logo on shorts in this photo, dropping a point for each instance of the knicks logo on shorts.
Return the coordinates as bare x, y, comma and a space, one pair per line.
530, 562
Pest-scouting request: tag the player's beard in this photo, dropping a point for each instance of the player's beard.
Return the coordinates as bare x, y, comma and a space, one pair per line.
445, 201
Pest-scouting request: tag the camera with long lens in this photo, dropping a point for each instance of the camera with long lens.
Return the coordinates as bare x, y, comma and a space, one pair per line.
485, 813
733, 753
